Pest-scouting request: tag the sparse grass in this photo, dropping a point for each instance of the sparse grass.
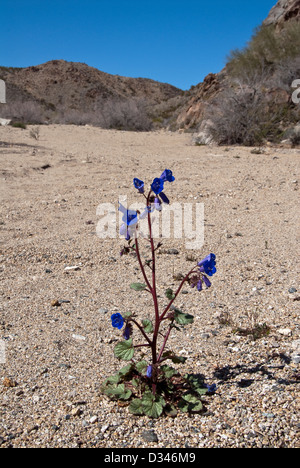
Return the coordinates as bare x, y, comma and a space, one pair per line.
257, 331
21, 125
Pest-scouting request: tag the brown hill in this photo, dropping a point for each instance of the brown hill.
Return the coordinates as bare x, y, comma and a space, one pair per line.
249, 101
66, 91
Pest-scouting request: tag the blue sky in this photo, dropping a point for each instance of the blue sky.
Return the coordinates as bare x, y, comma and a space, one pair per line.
173, 41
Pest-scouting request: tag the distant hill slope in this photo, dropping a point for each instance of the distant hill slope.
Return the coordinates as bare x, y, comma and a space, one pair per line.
62, 91
248, 102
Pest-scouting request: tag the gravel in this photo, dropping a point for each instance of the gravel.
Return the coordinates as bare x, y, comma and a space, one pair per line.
61, 283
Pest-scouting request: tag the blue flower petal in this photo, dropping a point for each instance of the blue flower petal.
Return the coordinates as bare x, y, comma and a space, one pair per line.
167, 176
157, 186
117, 321
139, 185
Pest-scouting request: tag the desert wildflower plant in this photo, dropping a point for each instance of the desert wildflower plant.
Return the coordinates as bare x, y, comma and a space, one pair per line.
148, 383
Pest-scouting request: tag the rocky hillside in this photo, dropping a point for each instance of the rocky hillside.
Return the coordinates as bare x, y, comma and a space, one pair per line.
246, 74
68, 92
283, 11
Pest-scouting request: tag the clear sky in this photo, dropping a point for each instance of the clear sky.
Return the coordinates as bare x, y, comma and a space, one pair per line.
173, 41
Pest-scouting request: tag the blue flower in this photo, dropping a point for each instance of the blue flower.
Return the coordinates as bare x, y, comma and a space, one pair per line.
117, 321
211, 388
149, 372
139, 185
127, 332
167, 176
157, 186
208, 265
206, 281
127, 231
157, 204
130, 217
164, 198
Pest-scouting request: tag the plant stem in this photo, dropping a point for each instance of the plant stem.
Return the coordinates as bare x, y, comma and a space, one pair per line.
137, 250
155, 301
165, 342
176, 294
142, 331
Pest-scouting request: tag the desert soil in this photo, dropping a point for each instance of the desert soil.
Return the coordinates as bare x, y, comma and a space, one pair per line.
55, 322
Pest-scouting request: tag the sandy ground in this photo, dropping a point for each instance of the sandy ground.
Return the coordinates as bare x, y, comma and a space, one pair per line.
57, 357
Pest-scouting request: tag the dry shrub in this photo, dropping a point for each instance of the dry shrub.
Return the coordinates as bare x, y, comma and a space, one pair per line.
236, 117
28, 112
129, 114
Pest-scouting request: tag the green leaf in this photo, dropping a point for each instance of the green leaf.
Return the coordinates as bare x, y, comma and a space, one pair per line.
113, 379
201, 391
168, 371
170, 410
124, 350
141, 366
136, 407
182, 318
194, 403
153, 405
190, 403
196, 383
119, 392
138, 286
169, 294
148, 326
126, 315
125, 371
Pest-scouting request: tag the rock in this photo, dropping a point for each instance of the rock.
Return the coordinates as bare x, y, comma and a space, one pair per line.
4, 122
296, 357
150, 436
79, 337
76, 412
285, 331
93, 419
296, 353
283, 11
292, 290
9, 383
104, 428
55, 303
204, 136
72, 268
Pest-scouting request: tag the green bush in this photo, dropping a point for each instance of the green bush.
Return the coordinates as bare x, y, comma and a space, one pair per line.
21, 125
267, 48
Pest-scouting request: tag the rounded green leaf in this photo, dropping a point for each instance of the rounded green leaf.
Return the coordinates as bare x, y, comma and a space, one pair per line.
124, 350
182, 318
136, 407
153, 405
141, 366
169, 294
148, 326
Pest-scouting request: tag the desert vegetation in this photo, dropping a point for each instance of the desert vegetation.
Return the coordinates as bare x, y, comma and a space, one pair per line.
256, 104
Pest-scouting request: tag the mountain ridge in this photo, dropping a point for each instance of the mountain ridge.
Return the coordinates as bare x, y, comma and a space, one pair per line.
71, 92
